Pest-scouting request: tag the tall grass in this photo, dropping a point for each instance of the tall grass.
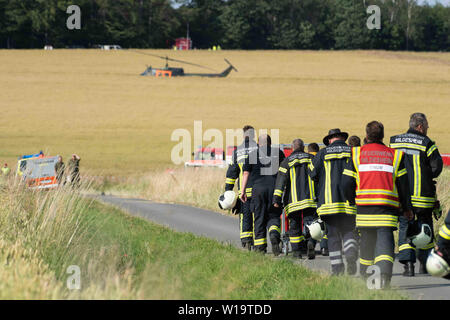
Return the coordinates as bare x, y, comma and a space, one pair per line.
42, 233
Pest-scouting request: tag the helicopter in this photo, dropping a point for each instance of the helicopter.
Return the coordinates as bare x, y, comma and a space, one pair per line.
179, 72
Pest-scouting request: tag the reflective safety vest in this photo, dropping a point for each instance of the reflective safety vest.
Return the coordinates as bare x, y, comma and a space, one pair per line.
376, 171
423, 163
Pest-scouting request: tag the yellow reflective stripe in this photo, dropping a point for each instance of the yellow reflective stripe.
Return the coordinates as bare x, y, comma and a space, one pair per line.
349, 173
376, 191
241, 174
278, 192
445, 232
307, 160
417, 176
428, 246
328, 195
379, 201
296, 239
431, 150
274, 228
230, 181
293, 184
365, 262
424, 205
244, 156
402, 173
338, 155
384, 257
246, 235
258, 242
408, 146
311, 166
281, 169
377, 217
299, 205
338, 207
355, 154
406, 247
312, 191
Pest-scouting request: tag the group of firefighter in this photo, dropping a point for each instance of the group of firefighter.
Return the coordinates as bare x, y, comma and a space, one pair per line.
359, 194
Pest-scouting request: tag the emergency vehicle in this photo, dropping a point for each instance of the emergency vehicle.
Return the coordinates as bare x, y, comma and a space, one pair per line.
38, 171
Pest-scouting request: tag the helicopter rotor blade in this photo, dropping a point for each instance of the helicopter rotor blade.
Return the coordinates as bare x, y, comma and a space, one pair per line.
170, 59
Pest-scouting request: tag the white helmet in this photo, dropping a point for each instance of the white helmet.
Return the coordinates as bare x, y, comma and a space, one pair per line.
317, 229
227, 200
436, 265
423, 238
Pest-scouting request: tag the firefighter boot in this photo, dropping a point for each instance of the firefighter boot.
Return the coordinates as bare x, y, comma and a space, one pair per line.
423, 268
385, 281
297, 254
409, 269
311, 250
351, 267
275, 241
325, 252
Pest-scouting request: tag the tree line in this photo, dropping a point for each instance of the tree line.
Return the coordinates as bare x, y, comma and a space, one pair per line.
232, 24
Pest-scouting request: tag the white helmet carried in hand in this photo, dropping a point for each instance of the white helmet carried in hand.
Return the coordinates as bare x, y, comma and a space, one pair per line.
436, 265
317, 229
423, 238
227, 200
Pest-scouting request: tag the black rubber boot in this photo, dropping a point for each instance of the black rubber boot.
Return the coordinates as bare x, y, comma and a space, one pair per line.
385, 281
423, 268
297, 255
409, 269
351, 267
311, 251
325, 252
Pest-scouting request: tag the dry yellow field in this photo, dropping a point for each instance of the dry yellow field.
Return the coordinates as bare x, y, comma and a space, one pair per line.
95, 103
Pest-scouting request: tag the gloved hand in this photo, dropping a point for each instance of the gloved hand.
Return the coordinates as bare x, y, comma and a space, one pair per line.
237, 207
437, 211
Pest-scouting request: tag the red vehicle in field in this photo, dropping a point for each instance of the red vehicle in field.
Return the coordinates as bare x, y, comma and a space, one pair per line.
211, 157
446, 159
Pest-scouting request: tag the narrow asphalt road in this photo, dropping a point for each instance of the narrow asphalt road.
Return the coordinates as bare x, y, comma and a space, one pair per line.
226, 229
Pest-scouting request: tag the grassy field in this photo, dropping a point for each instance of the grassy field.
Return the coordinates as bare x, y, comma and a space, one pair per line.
95, 103
122, 257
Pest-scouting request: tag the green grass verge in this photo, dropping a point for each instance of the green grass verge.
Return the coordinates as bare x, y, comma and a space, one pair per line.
125, 257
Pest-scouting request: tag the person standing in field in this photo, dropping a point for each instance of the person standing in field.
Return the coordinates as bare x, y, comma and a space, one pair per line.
339, 216
234, 173
59, 169
293, 180
74, 170
424, 164
262, 164
6, 170
313, 148
375, 179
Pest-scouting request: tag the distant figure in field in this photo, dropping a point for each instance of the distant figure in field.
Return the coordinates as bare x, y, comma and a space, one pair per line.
354, 141
59, 169
313, 148
6, 170
74, 170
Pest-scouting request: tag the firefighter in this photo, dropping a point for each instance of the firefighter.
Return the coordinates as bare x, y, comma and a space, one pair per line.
313, 148
234, 173
438, 262
423, 164
376, 180
261, 168
294, 181
326, 169
354, 141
